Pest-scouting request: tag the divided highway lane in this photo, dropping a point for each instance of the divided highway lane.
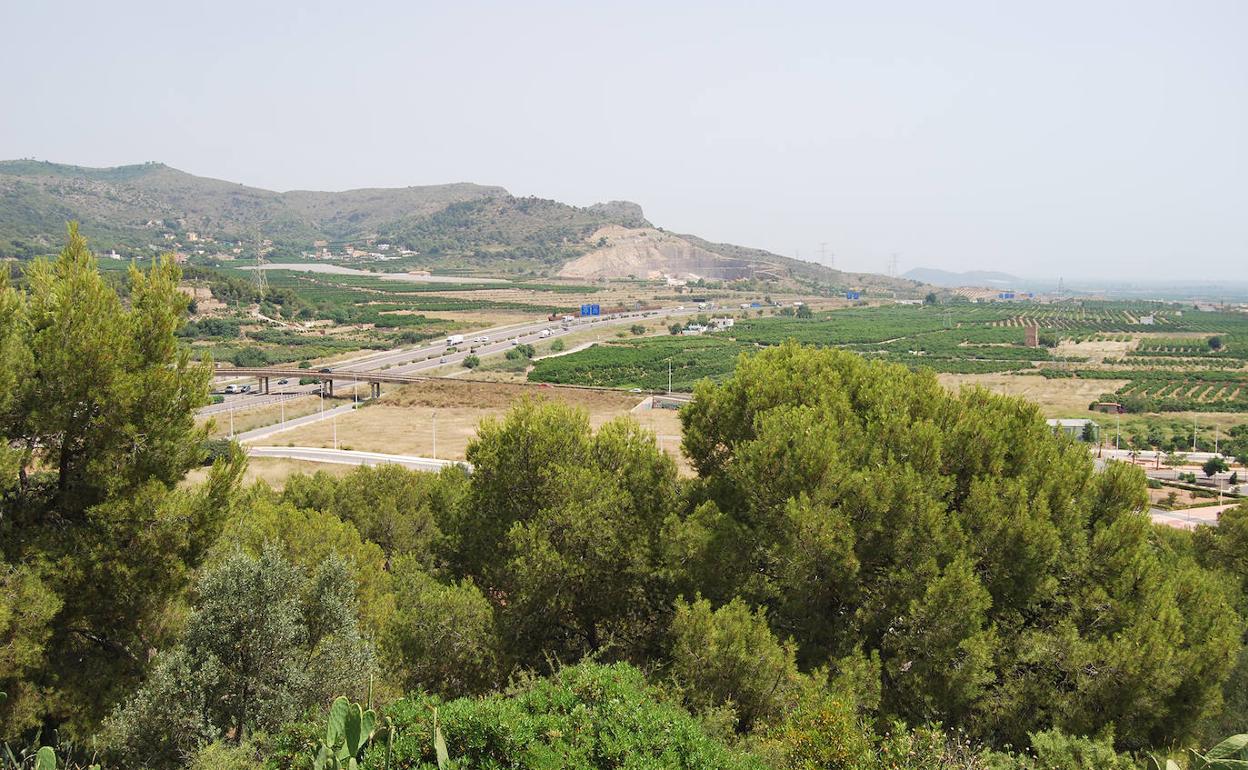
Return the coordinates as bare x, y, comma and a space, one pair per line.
427, 357
531, 334
378, 360
251, 400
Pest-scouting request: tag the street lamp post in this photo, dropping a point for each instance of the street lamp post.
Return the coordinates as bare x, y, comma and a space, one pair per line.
435, 434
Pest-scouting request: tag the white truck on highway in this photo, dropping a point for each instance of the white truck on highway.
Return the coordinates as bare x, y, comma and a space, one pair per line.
454, 339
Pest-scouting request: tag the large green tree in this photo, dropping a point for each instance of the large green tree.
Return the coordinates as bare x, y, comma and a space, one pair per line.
1004, 583
97, 423
562, 527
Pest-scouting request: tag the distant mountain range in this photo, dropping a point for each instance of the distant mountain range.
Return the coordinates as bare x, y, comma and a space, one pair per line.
987, 278
140, 209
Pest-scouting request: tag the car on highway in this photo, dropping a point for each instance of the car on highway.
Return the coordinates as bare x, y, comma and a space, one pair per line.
324, 370
283, 381
231, 388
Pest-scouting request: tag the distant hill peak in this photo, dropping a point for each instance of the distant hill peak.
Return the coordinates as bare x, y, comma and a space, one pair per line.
626, 213
950, 279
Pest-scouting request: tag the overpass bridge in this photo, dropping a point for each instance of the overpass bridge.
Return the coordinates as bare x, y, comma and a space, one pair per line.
374, 378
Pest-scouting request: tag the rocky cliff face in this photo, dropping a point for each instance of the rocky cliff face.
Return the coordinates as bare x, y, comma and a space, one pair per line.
621, 252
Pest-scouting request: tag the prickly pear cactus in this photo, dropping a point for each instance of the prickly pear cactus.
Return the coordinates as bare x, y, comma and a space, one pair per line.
348, 732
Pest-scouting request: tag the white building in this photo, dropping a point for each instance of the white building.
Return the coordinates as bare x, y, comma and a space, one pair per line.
1077, 428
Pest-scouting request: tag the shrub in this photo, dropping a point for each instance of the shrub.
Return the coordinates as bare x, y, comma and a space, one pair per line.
585, 717
216, 449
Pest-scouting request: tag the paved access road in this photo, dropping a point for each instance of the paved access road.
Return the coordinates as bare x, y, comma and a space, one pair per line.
269, 430
346, 457
1190, 518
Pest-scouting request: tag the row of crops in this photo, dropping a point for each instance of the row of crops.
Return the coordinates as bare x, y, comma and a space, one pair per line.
958, 341
1153, 390
1220, 346
960, 338
644, 363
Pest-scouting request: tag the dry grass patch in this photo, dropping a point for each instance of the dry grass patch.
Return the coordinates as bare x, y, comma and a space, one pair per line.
248, 418
402, 422
1066, 397
274, 471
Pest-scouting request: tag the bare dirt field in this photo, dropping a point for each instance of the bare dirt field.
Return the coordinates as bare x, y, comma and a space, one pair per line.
1057, 397
402, 422
1183, 497
1096, 350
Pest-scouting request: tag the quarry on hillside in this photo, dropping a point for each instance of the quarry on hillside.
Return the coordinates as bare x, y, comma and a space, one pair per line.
650, 253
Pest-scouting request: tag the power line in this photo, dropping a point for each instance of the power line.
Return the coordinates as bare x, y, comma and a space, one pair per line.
262, 281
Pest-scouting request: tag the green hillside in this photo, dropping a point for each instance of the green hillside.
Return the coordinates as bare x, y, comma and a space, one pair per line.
144, 209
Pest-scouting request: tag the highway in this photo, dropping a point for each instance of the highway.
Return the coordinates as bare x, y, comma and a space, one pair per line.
249, 400
424, 358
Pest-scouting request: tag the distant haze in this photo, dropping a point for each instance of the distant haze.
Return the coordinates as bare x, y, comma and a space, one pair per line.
1098, 139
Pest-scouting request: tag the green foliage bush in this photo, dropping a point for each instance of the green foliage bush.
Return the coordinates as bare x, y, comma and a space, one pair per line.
587, 716
728, 658
265, 643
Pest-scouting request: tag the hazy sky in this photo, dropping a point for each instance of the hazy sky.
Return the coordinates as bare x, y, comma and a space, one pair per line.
1043, 138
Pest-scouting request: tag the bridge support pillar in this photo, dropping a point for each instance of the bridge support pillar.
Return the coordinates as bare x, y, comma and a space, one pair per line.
264, 385
328, 386
375, 390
